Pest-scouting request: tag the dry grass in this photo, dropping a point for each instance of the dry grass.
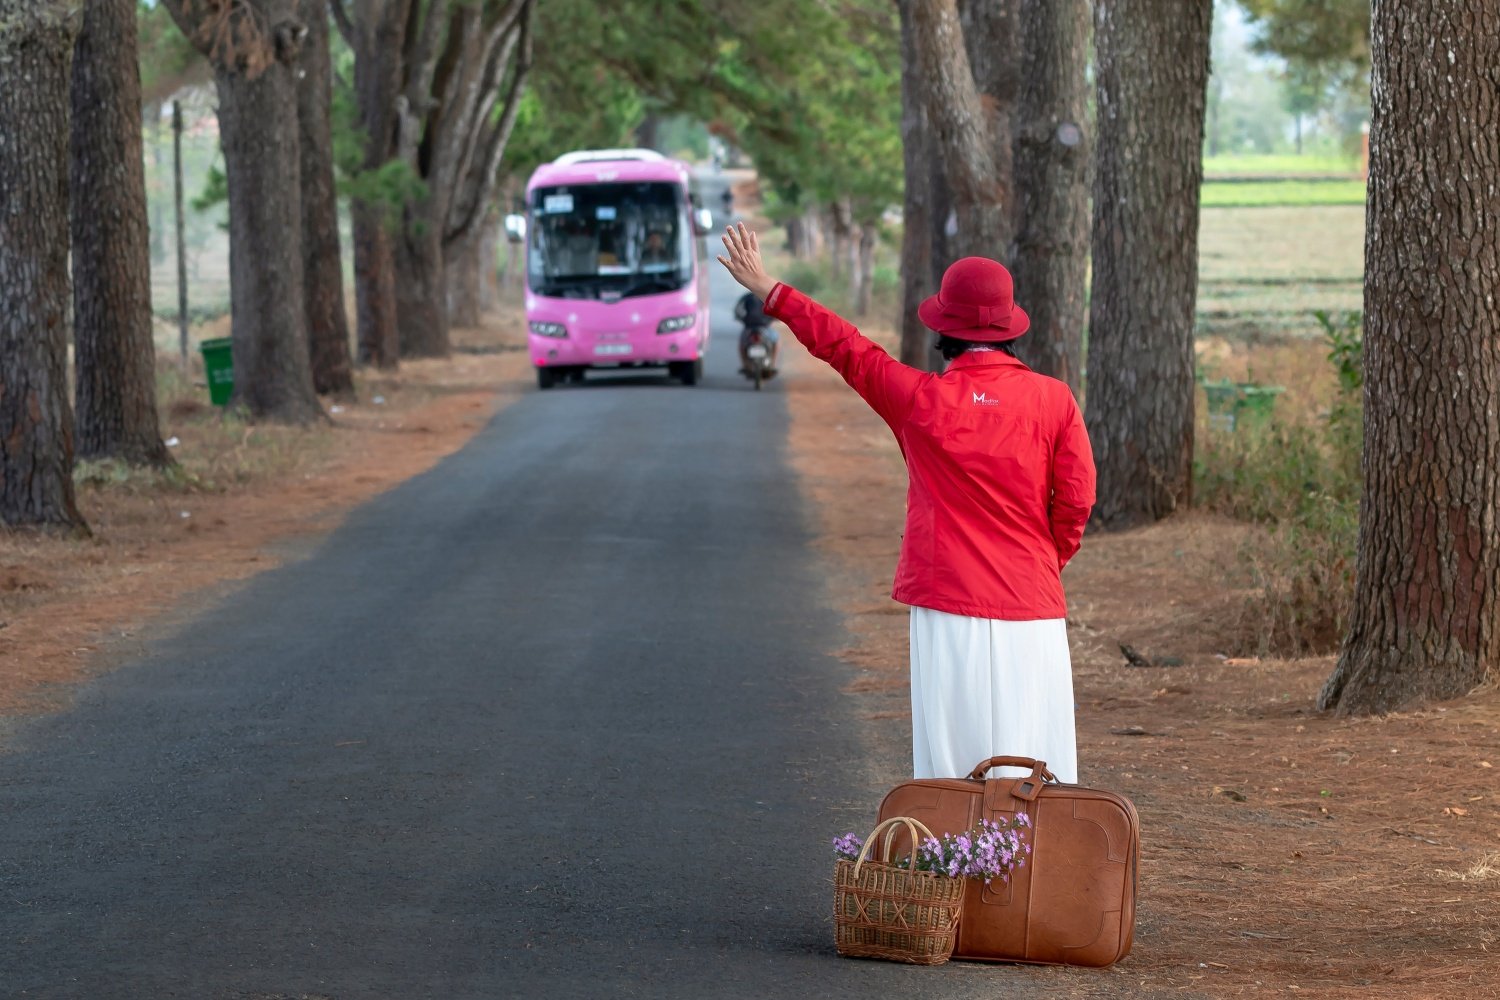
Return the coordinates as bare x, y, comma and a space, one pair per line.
1486, 869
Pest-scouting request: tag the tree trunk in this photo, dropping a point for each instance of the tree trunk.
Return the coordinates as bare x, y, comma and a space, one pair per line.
254, 50
115, 355
647, 133
862, 263
1425, 621
36, 423
457, 155
471, 227
489, 260
917, 222
378, 36
811, 233
794, 236
841, 222
1052, 166
992, 31
375, 286
421, 286
463, 267
323, 270
970, 136
1145, 253
258, 128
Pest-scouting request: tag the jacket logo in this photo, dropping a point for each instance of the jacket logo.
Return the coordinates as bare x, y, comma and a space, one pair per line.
980, 399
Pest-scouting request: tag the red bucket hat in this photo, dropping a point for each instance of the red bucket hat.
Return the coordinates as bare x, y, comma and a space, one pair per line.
976, 302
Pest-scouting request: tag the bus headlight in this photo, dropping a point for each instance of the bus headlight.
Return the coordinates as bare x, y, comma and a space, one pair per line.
676, 324
548, 329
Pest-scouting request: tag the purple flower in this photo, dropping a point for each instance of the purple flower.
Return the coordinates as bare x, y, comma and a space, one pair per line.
847, 846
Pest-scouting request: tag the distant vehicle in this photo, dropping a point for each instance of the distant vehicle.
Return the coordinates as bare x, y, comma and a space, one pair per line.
615, 272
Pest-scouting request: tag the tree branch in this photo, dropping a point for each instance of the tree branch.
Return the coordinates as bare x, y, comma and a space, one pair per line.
345, 26
472, 210
468, 125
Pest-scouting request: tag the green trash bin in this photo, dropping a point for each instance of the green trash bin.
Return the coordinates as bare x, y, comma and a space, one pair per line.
1233, 405
1257, 403
218, 366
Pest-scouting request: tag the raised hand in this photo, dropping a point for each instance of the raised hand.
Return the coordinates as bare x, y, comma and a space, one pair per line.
744, 262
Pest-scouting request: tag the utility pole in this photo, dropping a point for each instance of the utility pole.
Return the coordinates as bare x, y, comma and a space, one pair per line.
182, 296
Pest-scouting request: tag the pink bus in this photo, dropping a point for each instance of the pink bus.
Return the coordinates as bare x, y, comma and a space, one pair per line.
615, 272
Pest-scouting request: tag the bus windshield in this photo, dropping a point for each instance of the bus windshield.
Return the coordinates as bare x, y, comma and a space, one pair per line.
608, 240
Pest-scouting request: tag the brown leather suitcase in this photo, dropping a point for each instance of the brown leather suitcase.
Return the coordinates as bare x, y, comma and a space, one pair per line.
1074, 901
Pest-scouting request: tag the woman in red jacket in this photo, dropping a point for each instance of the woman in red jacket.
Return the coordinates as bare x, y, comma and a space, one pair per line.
1001, 484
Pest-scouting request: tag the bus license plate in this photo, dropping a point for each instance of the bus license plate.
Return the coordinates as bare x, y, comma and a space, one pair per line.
612, 349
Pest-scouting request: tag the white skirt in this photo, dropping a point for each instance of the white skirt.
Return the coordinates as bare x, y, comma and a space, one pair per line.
981, 688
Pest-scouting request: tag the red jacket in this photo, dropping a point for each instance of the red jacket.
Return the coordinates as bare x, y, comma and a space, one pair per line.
1001, 472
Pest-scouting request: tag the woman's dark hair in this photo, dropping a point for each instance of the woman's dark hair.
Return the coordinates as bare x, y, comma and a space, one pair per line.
952, 347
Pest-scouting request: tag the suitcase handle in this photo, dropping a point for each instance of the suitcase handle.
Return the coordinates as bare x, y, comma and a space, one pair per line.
1038, 767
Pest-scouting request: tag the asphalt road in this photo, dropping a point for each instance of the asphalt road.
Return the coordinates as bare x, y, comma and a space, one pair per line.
555, 719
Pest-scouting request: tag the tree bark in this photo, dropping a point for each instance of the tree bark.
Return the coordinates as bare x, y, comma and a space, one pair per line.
421, 286
465, 264
254, 55
1145, 253
1425, 620
970, 134
467, 245
258, 129
36, 422
917, 222
841, 224
379, 32
1052, 166
862, 265
489, 263
992, 32
115, 355
323, 270
375, 286
458, 142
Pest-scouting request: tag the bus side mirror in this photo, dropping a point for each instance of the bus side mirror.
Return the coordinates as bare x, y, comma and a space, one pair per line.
515, 228
703, 222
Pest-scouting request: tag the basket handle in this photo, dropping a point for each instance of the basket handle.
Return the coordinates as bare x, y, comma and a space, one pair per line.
913, 827
1037, 767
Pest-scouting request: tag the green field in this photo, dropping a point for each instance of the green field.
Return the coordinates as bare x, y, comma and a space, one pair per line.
1229, 194
1310, 165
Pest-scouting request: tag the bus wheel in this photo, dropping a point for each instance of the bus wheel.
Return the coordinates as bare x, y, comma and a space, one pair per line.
546, 378
688, 372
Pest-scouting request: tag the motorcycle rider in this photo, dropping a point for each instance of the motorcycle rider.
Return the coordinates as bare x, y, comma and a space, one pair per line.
751, 313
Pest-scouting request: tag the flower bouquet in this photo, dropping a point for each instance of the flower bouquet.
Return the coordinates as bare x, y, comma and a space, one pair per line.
906, 909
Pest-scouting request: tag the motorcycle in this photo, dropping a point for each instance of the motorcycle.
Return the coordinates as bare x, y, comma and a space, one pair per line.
758, 360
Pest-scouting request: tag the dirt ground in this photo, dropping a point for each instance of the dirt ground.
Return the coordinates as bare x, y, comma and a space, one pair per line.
244, 492
1283, 850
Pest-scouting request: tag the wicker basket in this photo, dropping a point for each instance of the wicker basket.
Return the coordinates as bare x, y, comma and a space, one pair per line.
881, 911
